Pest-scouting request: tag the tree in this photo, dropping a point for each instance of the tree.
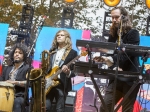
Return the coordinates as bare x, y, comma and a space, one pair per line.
88, 13
139, 14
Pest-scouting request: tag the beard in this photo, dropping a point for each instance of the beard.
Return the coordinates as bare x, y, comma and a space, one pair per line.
17, 61
114, 29
115, 25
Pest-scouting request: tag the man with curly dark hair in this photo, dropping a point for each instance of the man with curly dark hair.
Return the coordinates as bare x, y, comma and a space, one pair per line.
15, 74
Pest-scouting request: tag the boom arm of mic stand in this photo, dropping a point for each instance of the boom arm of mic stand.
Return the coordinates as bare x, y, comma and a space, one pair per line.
120, 33
30, 66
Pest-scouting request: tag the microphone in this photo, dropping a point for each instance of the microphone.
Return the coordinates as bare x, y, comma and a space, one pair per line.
124, 18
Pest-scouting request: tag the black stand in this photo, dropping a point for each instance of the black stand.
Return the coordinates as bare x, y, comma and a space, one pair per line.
116, 77
29, 70
144, 58
116, 74
115, 81
92, 78
117, 65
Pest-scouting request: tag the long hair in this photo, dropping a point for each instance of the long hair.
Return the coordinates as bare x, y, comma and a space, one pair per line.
126, 23
21, 47
67, 41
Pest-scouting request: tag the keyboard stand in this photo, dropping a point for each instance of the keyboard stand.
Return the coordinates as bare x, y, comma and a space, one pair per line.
92, 78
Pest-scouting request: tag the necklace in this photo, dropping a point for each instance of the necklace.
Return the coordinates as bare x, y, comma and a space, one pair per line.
13, 73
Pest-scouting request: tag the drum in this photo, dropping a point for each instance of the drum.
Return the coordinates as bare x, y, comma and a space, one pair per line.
6, 97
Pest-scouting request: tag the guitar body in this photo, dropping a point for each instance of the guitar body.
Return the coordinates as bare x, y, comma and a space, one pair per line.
53, 71
53, 75
53, 81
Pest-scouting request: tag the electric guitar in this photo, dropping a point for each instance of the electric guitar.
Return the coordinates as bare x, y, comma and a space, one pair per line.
51, 77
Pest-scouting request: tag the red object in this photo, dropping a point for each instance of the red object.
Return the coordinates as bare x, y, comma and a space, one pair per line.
0, 67
78, 105
137, 107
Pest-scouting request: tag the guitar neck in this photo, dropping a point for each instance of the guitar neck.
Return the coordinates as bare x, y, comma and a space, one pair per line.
73, 60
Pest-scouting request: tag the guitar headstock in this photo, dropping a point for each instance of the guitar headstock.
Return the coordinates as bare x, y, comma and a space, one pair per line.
83, 53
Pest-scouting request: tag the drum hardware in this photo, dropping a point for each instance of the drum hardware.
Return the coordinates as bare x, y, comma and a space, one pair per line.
7, 95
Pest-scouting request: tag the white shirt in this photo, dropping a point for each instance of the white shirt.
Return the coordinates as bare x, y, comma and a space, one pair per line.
59, 56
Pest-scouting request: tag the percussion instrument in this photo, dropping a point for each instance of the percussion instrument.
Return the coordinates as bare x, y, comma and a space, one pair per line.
6, 97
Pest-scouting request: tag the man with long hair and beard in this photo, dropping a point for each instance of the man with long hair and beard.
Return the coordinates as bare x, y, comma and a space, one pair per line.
15, 73
126, 63
64, 53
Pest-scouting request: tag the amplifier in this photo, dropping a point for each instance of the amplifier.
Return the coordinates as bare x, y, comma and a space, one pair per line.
69, 103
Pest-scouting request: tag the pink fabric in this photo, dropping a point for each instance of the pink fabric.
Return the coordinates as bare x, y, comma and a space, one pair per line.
78, 79
36, 64
1, 57
86, 34
0, 68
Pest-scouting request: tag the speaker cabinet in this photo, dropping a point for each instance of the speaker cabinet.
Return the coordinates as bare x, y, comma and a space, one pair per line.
68, 108
69, 103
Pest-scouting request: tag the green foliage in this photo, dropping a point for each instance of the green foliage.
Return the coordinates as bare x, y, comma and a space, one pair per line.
87, 13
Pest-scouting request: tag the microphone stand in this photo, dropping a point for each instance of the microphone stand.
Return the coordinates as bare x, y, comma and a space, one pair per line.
117, 65
29, 70
115, 82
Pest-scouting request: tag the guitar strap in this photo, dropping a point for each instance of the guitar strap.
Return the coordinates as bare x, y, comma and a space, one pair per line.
64, 56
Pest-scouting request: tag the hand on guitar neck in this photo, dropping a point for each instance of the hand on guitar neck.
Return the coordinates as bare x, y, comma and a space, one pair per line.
66, 69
